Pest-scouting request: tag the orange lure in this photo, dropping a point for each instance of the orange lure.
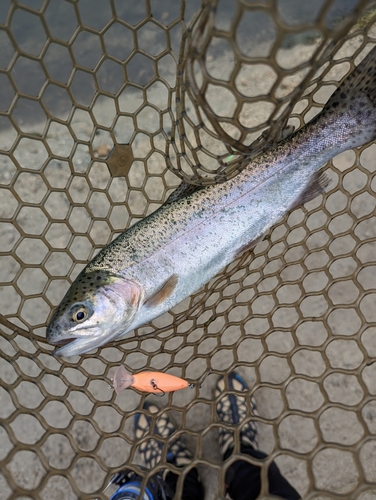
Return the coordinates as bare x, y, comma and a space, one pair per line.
154, 382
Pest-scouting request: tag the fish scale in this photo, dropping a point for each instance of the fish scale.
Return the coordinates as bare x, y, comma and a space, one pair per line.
170, 254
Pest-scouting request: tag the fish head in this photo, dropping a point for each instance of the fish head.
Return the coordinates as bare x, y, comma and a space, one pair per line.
97, 308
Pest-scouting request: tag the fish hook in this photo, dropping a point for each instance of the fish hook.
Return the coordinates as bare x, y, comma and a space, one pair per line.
192, 386
156, 388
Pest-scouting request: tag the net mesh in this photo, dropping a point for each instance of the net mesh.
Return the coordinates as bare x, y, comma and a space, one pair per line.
295, 317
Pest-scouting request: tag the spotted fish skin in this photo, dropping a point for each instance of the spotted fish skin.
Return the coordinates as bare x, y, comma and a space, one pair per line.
170, 254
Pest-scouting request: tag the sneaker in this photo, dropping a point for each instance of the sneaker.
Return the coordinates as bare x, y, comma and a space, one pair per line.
151, 449
232, 409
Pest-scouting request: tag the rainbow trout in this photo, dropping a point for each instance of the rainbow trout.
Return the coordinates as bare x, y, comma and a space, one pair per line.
170, 254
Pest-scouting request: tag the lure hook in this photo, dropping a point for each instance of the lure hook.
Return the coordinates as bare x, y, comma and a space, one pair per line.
156, 388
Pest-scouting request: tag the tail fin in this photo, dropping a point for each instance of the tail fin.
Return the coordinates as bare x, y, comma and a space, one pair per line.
122, 379
361, 81
355, 98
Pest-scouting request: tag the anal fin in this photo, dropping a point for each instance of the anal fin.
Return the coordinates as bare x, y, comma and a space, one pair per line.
316, 186
164, 292
248, 246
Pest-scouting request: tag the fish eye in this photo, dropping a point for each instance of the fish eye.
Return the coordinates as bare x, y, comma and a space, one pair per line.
79, 314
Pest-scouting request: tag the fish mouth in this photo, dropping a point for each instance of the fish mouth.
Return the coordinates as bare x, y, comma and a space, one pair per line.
81, 343
60, 341
77, 346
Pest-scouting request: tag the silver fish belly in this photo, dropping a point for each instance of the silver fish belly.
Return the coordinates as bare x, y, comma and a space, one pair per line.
170, 254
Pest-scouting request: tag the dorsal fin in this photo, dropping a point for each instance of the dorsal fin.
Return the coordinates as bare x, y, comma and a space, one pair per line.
182, 191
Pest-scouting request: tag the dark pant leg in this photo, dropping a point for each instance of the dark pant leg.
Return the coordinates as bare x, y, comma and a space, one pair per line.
192, 488
243, 479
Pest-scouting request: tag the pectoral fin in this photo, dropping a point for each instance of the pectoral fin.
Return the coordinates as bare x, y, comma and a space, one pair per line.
164, 292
